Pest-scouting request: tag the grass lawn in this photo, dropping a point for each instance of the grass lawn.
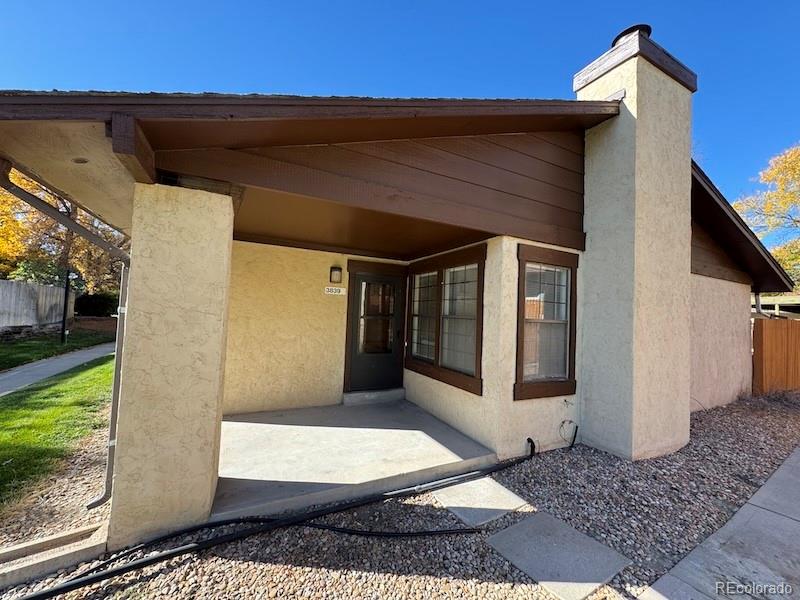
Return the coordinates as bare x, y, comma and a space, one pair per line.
41, 424
15, 353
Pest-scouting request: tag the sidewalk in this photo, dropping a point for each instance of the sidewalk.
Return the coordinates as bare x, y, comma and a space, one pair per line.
24, 375
759, 546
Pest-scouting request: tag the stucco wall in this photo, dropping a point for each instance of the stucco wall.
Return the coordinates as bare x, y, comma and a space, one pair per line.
286, 337
663, 264
495, 419
605, 380
165, 466
722, 364
286, 345
635, 376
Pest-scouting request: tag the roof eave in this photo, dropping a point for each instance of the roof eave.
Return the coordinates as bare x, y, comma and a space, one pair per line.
748, 234
99, 106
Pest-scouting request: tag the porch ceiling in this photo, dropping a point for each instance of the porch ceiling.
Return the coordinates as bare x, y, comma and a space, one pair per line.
266, 216
122, 135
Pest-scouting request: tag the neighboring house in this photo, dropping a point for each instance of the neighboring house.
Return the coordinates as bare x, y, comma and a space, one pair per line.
786, 306
507, 264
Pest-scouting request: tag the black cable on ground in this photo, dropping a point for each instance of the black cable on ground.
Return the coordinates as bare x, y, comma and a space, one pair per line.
574, 436
260, 520
90, 578
392, 534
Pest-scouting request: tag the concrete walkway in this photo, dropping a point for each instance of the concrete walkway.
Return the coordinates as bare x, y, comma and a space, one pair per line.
754, 555
24, 375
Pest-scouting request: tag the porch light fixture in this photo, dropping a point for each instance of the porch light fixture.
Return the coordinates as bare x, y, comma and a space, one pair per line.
336, 275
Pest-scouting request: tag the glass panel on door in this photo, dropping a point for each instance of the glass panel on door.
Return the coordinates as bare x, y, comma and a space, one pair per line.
376, 318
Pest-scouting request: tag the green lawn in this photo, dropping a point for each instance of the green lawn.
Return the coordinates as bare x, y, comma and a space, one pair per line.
41, 424
15, 353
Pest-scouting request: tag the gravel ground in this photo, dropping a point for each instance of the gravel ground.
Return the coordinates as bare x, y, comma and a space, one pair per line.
58, 502
652, 511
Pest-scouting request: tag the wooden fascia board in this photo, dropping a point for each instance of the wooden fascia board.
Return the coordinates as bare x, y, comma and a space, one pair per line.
747, 234
258, 171
101, 107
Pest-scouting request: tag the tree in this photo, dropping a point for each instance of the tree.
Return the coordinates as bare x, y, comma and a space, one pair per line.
12, 233
788, 255
40, 249
777, 208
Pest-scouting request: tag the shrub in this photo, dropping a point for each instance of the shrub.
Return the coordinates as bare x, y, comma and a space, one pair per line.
102, 304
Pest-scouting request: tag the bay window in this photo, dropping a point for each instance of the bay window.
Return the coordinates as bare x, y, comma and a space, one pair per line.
446, 317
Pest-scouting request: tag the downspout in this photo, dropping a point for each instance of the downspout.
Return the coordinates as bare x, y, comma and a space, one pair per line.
125, 259
112, 427
759, 310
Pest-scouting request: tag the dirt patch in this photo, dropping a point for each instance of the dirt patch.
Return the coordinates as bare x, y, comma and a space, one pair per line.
58, 502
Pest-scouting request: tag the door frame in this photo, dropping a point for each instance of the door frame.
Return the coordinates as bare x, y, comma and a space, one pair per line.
366, 267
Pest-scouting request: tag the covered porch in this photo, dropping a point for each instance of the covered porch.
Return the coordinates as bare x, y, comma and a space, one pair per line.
292, 459
241, 346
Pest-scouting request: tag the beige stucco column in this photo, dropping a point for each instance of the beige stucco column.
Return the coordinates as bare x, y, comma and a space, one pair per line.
165, 467
634, 276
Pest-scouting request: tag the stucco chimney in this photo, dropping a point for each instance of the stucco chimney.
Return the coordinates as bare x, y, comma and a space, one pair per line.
635, 274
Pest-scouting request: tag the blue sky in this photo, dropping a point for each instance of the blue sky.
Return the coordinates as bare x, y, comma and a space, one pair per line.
745, 53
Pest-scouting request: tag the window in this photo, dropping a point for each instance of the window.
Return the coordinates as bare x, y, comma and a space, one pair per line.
546, 323
459, 318
446, 317
424, 305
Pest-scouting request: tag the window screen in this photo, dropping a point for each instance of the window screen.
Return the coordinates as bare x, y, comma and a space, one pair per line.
459, 318
546, 328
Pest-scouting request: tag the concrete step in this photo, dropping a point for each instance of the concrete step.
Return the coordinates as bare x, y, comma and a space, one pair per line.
241, 498
39, 557
373, 397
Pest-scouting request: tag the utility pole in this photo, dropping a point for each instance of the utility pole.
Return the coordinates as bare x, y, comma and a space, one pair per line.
69, 237
66, 307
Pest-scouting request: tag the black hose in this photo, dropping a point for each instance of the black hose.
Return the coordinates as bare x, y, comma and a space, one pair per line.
260, 520
392, 534
91, 577
574, 436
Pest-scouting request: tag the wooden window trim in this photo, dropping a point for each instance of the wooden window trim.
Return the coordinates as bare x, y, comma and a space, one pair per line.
545, 389
438, 264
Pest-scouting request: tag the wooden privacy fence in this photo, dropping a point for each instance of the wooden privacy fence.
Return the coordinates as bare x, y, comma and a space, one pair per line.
24, 304
776, 355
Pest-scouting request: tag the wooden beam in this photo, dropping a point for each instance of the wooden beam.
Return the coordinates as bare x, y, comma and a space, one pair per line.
132, 148
268, 173
55, 214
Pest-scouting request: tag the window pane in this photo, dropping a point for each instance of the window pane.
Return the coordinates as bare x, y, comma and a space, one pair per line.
423, 316
546, 328
375, 334
459, 318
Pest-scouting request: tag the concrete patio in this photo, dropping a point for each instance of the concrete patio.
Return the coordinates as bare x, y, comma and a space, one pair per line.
287, 460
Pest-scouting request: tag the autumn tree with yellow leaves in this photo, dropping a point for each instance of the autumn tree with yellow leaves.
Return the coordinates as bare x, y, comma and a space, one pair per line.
34, 247
777, 208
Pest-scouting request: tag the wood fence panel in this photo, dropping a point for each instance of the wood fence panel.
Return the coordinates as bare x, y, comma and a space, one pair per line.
776, 355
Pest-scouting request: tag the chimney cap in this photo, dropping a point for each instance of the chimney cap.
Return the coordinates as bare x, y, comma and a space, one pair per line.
644, 28
635, 41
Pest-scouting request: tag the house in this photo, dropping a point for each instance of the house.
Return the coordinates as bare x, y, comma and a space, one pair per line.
786, 306
509, 266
